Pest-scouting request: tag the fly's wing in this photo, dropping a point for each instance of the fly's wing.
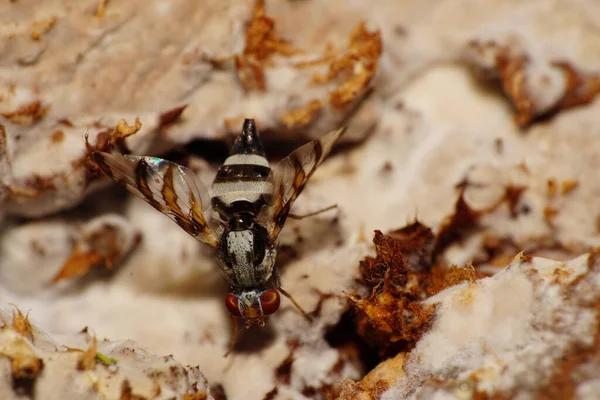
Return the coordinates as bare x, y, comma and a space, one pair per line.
292, 173
170, 188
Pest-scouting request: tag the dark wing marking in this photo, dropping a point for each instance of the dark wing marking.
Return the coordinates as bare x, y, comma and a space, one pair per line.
293, 172
170, 188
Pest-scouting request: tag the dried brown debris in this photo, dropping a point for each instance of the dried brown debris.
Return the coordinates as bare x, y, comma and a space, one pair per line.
408, 269
195, 396
261, 39
302, 116
355, 68
514, 71
261, 43
465, 219
127, 392
27, 114
170, 117
87, 361
22, 325
380, 379
113, 138
393, 317
25, 364
39, 28
100, 247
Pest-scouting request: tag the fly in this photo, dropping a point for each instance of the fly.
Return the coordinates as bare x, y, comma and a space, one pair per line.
242, 219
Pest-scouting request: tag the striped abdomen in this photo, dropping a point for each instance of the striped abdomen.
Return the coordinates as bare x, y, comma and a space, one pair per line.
242, 184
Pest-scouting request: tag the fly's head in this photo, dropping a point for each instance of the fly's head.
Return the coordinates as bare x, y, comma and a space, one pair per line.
253, 305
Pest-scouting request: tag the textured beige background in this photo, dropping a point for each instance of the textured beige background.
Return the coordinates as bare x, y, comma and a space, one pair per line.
430, 122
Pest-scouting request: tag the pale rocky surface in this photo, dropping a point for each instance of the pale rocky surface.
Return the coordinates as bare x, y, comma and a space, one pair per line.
47, 368
514, 335
438, 123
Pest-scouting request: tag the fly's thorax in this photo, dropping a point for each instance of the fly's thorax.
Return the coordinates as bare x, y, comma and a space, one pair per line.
246, 252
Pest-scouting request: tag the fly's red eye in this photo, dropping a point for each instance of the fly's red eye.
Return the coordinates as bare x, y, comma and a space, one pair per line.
231, 302
269, 301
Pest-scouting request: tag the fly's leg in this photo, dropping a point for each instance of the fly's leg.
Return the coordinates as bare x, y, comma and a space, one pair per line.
289, 296
234, 335
331, 207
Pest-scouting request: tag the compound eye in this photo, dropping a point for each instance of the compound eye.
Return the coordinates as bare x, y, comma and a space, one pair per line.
232, 305
269, 301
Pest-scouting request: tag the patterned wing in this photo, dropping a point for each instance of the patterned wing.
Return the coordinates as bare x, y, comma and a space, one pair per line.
170, 188
292, 174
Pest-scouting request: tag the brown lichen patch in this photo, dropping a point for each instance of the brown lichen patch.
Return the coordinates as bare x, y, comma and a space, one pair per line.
456, 226
87, 360
101, 9
107, 140
100, 247
514, 71
567, 375
549, 214
170, 117
127, 392
114, 137
57, 137
262, 42
195, 396
283, 372
569, 185
380, 379
271, 394
39, 28
580, 89
22, 325
250, 75
445, 278
24, 362
217, 391
355, 68
551, 187
403, 273
302, 116
261, 39
34, 186
27, 114
392, 316
464, 219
